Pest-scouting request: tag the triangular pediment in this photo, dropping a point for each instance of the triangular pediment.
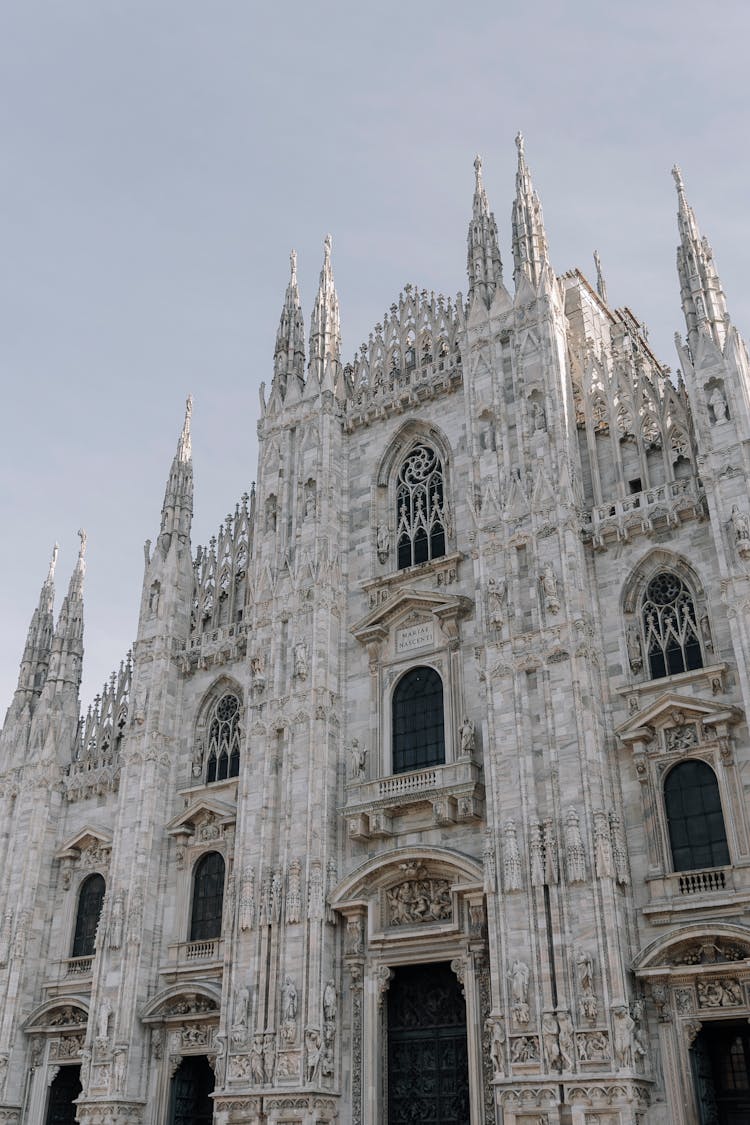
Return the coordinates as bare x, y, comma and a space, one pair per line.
200, 811
423, 603
84, 839
671, 709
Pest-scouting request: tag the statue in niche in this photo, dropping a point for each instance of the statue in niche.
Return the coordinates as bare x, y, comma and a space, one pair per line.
548, 579
271, 514
257, 671
310, 499
518, 975
256, 1060
117, 921
383, 541
496, 590
358, 755
585, 973
635, 655
242, 1005
566, 1041
550, 1032
312, 1051
355, 935
120, 1064
538, 416
624, 1026
289, 1001
468, 736
511, 858
741, 526
718, 404
496, 1029
574, 850
300, 660
102, 1023
329, 1001
269, 1057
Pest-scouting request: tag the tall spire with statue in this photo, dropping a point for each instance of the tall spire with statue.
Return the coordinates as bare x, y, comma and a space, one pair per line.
530, 251
703, 300
325, 326
483, 264
289, 353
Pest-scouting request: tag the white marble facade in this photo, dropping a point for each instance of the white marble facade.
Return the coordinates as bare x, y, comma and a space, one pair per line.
254, 721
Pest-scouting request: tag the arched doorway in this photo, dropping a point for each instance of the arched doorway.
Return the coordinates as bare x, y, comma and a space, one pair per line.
428, 1073
65, 1088
192, 1086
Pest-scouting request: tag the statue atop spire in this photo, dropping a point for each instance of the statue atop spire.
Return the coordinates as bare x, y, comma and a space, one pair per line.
601, 285
530, 252
325, 326
289, 352
703, 302
483, 265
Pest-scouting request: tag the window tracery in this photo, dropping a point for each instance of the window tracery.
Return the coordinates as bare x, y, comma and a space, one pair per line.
223, 745
420, 508
669, 626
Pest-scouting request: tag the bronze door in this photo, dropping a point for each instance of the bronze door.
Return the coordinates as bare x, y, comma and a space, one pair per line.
428, 1075
192, 1086
63, 1092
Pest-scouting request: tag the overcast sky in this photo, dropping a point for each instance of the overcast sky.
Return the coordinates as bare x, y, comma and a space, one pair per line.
161, 159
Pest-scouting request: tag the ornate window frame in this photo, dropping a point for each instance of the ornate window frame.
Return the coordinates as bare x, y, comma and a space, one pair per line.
634, 638
405, 441
224, 685
675, 728
207, 825
413, 629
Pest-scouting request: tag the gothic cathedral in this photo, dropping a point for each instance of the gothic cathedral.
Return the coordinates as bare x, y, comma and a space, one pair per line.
422, 795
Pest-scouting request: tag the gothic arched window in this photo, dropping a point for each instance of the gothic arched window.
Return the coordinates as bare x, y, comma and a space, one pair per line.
223, 751
208, 897
418, 724
90, 901
697, 835
420, 508
669, 626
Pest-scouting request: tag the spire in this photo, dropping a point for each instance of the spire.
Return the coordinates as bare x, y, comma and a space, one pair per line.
483, 263
530, 254
325, 326
703, 300
289, 353
66, 659
36, 653
601, 285
177, 509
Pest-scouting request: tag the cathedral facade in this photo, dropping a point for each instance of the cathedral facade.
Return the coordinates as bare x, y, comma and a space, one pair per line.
421, 796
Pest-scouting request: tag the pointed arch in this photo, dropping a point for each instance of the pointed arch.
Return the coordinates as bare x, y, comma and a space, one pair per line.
666, 623
219, 731
411, 433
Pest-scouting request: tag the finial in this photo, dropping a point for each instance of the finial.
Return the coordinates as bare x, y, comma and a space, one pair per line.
83, 537
188, 409
478, 168
327, 244
293, 263
519, 142
677, 176
53, 562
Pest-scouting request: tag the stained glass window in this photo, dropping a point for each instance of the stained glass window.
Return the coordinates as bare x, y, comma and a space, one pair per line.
418, 724
90, 902
420, 508
224, 740
696, 823
208, 897
669, 625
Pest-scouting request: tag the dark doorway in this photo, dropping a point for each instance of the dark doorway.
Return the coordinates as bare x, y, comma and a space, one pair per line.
428, 1075
721, 1072
63, 1092
192, 1086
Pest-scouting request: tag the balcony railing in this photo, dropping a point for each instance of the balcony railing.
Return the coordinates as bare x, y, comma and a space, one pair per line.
702, 882
78, 966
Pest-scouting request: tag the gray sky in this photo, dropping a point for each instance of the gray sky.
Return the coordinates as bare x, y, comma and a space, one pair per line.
163, 156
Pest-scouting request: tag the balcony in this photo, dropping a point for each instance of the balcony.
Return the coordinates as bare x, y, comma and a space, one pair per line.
78, 966
676, 895
669, 503
454, 793
195, 958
